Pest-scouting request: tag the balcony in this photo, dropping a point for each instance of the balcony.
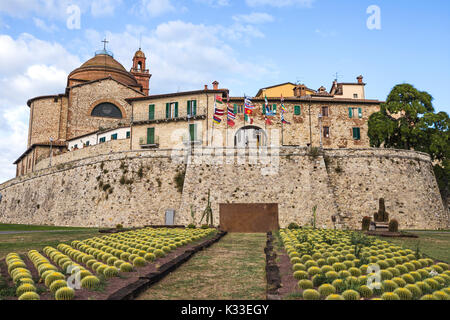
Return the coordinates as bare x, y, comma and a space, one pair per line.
144, 119
143, 142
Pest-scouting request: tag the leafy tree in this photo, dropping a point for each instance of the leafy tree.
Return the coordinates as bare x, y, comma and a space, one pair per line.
407, 120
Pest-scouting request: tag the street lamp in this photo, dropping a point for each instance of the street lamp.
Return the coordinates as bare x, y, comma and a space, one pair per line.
51, 151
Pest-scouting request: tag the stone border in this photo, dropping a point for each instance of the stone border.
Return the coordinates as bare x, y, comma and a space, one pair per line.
272, 270
132, 290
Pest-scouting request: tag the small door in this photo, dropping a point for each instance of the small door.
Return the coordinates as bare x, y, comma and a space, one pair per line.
193, 132
151, 136
170, 217
151, 112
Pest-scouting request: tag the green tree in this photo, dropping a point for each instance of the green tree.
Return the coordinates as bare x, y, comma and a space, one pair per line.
407, 120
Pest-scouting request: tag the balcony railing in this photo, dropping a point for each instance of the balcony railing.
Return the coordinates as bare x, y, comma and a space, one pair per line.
143, 142
144, 118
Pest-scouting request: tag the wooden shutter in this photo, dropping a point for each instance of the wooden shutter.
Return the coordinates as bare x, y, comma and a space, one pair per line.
360, 112
194, 110
167, 110
193, 132
274, 108
263, 109
151, 136
151, 112
189, 108
350, 112
297, 110
235, 108
176, 109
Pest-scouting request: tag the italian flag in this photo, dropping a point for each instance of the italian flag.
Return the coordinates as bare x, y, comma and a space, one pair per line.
219, 100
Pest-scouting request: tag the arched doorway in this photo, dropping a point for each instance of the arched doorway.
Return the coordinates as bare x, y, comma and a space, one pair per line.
250, 136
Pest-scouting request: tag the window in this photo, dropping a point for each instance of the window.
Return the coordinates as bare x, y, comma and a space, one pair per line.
355, 96
102, 140
193, 132
356, 133
192, 108
297, 110
172, 110
150, 135
355, 113
151, 112
324, 111
114, 136
88, 143
326, 132
107, 110
128, 134
75, 146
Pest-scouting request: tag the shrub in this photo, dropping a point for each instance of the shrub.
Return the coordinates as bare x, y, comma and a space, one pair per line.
326, 289
313, 271
408, 278
149, 257
389, 285
399, 281
65, 293
159, 253
311, 294
90, 282
191, 226
433, 284
305, 284
393, 225
111, 272
424, 287
293, 225
351, 295
299, 267
339, 284
57, 284
366, 223
415, 290
29, 296
53, 277
354, 272
390, 296
331, 275
139, 262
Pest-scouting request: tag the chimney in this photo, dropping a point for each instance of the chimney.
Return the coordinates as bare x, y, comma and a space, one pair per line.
206, 87
300, 90
215, 85
360, 79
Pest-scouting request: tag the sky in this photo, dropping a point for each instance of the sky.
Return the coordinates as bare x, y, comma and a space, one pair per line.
245, 45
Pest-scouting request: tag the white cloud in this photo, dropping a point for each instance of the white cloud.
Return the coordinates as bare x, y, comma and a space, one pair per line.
41, 24
279, 3
215, 3
29, 67
153, 8
254, 18
104, 7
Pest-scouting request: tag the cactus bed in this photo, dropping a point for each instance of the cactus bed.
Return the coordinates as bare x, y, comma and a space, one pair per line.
334, 264
101, 264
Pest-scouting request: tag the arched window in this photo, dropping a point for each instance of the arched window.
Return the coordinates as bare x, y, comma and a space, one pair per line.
140, 65
107, 110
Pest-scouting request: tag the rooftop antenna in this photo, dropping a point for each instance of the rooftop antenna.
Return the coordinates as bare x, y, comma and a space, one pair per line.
337, 76
297, 82
140, 41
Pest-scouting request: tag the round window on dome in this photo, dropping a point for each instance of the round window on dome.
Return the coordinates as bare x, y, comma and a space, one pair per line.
107, 110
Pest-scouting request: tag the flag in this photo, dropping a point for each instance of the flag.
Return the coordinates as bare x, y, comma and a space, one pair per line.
268, 112
219, 112
283, 108
219, 100
217, 120
266, 101
248, 103
231, 114
231, 123
284, 120
268, 122
248, 119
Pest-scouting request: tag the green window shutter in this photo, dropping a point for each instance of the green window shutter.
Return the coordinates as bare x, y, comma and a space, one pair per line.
189, 108
128, 134
167, 110
274, 108
151, 112
114, 136
297, 110
235, 108
193, 132
350, 112
176, 109
150, 135
194, 111
246, 118
357, 133
360, 113
263, 109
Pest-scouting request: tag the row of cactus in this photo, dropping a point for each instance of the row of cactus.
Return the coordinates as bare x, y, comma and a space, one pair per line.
325, 266
52, 278
21, 276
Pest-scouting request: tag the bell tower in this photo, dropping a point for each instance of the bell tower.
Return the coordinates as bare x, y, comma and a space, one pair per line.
140, 72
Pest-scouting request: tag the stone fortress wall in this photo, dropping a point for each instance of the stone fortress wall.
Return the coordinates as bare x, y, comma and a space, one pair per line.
135, 188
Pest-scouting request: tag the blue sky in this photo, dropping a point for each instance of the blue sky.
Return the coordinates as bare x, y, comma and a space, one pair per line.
245, 45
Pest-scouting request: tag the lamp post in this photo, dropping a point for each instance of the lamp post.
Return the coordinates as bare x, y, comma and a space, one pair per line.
51, 151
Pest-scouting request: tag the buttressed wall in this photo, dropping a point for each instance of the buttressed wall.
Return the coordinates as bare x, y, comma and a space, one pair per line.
135, 188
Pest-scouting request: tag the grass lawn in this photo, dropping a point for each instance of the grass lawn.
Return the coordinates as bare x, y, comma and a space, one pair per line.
233, 268
22, 227
435, 244
23, 242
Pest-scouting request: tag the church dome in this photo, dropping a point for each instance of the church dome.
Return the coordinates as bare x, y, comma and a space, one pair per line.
101, 66
139, 54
